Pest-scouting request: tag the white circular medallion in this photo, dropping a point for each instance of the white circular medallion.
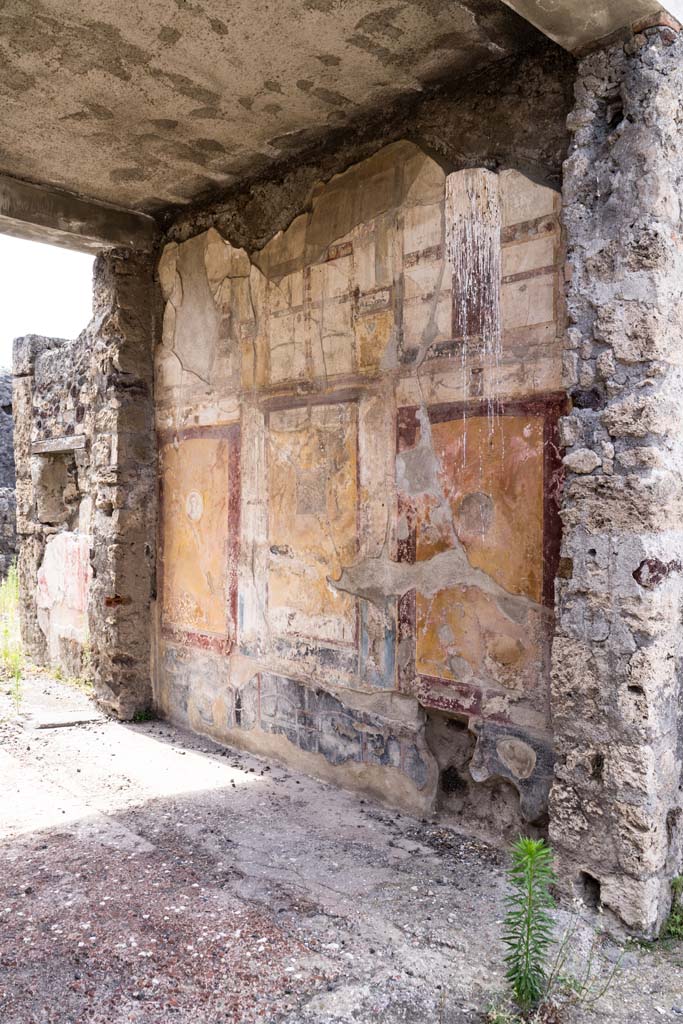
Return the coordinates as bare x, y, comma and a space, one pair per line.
194, 506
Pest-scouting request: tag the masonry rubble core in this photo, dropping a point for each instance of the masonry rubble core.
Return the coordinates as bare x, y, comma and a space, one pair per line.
8, 539
373, 465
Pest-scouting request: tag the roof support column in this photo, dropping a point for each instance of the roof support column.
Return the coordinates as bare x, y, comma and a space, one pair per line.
615, 808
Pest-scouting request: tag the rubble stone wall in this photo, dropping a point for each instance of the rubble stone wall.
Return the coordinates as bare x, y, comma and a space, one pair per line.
53, 425
616, 807
86, 483
7, 495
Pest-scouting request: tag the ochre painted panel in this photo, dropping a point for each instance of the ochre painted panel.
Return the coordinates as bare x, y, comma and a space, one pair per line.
313, 498
492, 479
194, 542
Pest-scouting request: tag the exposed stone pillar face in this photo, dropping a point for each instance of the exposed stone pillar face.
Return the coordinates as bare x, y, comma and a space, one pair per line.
123, 481
30, 532
8, 512
616, 813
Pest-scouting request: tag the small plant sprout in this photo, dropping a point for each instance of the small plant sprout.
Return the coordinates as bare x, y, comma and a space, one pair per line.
537, 963
528, 925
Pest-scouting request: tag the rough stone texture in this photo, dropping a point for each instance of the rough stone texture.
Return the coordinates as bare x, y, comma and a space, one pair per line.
7, 476
86, 488
54, 417
358, 531
7, 473
123, 479
616, 810
512, 115
47, 372
165, 102
8, 529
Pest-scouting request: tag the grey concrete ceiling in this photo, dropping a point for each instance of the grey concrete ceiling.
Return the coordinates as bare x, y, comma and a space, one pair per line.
156, 103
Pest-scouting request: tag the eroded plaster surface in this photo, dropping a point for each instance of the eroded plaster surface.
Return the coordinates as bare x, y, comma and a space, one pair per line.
7, 476
390, 366
62, 594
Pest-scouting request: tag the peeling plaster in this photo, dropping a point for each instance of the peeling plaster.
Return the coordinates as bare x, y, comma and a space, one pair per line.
353, 302
378, 579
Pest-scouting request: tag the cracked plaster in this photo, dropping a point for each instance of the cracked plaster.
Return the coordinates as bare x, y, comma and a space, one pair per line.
351, 305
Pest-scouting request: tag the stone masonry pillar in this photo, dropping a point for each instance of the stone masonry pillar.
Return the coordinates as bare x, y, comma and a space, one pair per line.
123, 480
615, 813
30, 535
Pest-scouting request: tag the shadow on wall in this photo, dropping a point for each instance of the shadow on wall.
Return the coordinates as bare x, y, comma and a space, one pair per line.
467, 793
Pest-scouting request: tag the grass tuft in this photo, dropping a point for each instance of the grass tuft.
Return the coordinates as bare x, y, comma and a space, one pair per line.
11, 653
673, 927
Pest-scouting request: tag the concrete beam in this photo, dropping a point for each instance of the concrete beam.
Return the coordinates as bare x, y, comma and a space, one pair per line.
45, 215
578, 25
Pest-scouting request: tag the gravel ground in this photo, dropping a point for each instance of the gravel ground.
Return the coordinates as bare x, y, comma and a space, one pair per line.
149, 876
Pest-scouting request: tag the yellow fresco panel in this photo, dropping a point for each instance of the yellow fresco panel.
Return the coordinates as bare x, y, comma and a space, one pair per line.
195, 534
312, 520
492, 478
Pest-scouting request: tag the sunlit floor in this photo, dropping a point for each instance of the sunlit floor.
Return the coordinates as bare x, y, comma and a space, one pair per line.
147, 875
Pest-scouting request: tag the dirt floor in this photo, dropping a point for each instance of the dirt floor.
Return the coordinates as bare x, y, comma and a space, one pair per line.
149, 876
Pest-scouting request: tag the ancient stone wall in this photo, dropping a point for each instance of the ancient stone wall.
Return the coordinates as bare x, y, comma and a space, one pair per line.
123, 479
616, 811
358, 475
86, 483
7, 495
53, 425
511, 117
371, 425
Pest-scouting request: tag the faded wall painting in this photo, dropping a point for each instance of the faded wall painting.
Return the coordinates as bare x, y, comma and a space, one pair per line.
312, 486
392, 361
62, 596
472, 645
199, 473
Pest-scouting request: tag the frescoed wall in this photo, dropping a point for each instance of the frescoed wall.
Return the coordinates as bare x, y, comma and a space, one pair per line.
312, 520
375, 396
200, 473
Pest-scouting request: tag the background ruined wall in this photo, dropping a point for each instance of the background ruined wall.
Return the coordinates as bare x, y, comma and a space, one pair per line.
7, 476
53, 423
616, 812
86, 484
358, 474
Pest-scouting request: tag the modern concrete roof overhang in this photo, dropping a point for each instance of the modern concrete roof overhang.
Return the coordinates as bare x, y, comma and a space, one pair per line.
114, 113
60, 218
578, 25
